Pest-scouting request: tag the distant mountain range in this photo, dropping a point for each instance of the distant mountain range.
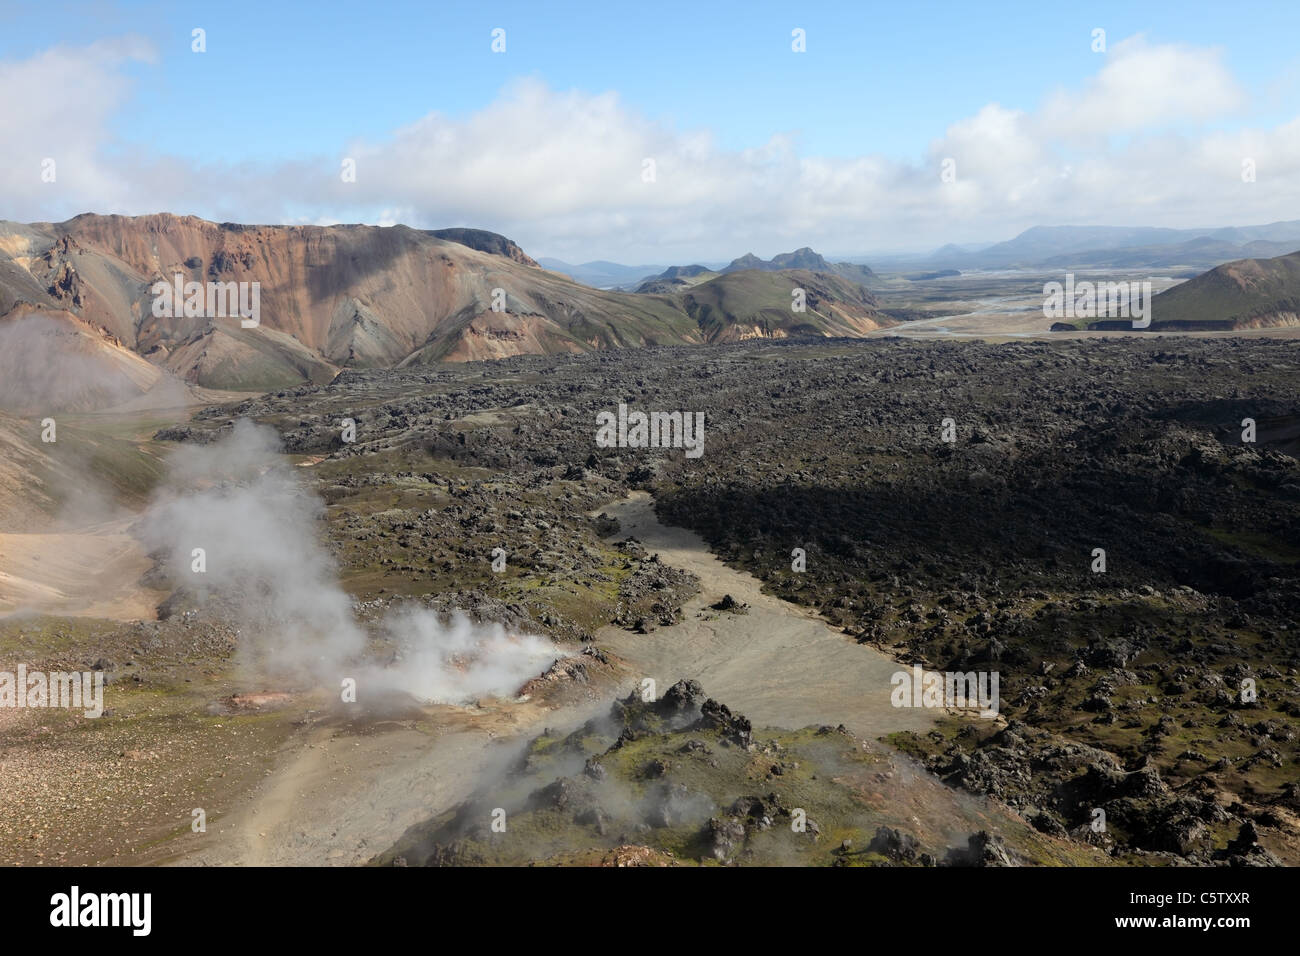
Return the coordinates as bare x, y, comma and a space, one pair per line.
602, 274
1055, 248
1041, 248
334, 297
680, 277
80, 327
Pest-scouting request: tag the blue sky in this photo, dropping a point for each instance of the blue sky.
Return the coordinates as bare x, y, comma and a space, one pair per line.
287, 86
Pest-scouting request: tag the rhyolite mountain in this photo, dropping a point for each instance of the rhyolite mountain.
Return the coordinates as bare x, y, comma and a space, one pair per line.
1245, 294
334, 297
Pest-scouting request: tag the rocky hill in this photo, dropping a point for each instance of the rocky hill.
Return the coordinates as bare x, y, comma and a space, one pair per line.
1245, 294
355, 296
805, 259
684, 781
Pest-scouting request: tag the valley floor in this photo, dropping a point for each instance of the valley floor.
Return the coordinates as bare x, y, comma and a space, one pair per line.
1119, 689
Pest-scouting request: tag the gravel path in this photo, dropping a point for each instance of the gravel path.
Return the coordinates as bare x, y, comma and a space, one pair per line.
778, 664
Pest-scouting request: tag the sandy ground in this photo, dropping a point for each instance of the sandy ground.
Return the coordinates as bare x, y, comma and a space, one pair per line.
340, 796
779, 664
1030, 323
93, 572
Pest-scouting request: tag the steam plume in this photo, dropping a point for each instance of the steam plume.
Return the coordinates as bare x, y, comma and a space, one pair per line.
239, 502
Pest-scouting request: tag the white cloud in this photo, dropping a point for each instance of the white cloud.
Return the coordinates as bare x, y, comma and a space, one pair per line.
57, 105
1143, 87
561, 171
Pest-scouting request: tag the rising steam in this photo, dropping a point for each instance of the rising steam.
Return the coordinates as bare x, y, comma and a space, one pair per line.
244, 507
50, 364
